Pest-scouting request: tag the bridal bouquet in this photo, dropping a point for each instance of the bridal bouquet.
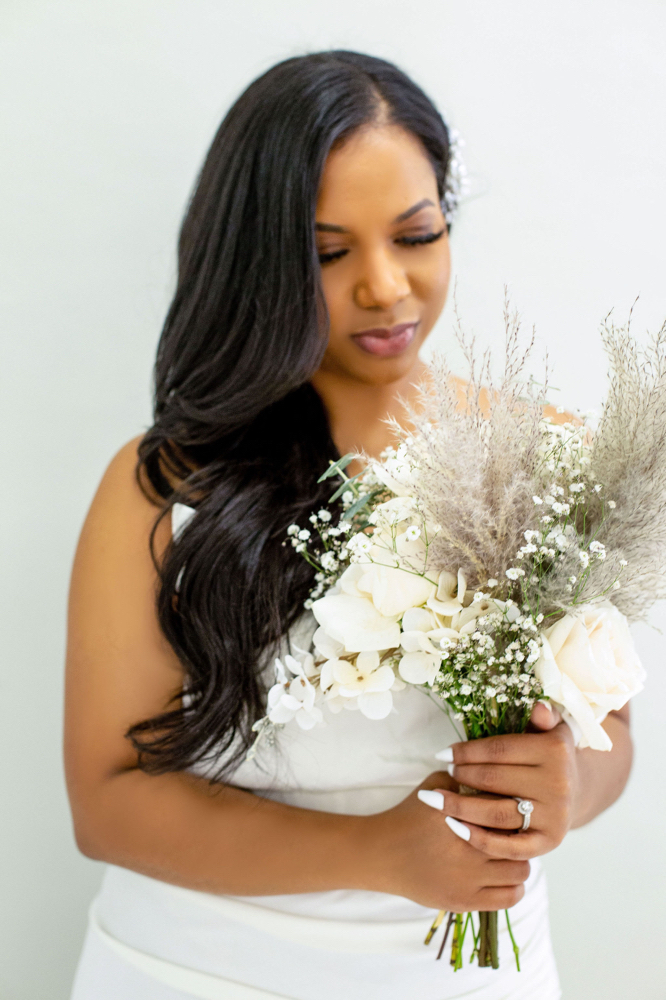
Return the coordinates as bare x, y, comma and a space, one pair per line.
492, 559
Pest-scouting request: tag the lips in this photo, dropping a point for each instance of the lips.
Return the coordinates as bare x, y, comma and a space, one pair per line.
386, 342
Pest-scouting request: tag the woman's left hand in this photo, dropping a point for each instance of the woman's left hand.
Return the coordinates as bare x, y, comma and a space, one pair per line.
539, 765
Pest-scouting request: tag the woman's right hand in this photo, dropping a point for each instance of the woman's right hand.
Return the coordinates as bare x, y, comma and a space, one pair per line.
416, 855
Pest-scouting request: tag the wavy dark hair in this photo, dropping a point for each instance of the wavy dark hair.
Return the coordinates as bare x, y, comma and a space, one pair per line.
239, 432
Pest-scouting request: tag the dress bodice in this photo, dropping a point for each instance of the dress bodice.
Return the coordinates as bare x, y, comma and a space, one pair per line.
321, 945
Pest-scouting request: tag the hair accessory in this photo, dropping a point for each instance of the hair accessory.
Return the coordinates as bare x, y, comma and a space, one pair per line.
456, 184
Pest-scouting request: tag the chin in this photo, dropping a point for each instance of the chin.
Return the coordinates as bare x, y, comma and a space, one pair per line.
383, 370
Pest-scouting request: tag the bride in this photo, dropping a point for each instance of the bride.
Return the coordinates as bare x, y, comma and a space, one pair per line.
313, 263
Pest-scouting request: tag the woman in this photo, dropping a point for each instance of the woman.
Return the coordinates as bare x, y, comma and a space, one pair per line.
313, 263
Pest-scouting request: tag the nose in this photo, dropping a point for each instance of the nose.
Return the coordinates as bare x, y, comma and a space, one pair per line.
382, 284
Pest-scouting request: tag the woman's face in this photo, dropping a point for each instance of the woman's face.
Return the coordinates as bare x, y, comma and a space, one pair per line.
384, 253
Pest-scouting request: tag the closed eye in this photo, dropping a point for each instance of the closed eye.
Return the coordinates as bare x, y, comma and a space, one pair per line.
326, 258
412, 241
405, 241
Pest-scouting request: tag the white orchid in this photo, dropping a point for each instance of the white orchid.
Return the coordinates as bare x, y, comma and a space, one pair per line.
326, 645
421, 632
294, 697
466, 620
366, 683
450, 594
419, 667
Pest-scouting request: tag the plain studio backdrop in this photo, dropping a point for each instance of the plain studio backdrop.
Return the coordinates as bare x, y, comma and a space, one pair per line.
107, 110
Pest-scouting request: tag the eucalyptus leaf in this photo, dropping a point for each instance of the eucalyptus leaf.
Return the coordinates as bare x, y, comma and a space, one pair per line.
336, 467
359, 504
346, 484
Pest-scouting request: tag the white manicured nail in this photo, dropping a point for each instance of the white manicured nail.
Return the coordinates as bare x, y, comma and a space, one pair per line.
546, 704
434, 799
450, 769
458, 828
445, 755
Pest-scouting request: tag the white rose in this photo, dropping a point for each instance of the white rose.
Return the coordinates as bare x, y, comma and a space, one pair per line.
389, 573
394, 572
396, 473
349, 580
590, 667
393, 591
394, 511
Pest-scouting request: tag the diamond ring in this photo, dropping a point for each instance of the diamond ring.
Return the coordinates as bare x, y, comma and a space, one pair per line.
525, 808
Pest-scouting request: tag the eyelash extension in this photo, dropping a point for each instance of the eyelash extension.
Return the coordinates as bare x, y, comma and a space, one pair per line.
409, 241
326, 258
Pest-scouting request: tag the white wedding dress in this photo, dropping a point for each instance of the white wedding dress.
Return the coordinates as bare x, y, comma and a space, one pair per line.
148, 940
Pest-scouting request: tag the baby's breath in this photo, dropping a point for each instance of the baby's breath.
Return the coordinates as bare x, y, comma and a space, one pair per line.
490, 701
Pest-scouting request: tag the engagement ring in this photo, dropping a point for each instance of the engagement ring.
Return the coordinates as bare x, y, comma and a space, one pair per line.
525, 808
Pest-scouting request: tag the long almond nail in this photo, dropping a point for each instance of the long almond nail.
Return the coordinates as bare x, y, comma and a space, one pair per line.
445, 755
451, 769
458, 828
434, 799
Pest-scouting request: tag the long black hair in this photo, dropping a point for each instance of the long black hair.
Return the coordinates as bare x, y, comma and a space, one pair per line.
239, 432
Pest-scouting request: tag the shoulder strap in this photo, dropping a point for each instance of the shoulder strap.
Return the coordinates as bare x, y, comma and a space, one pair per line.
180, 515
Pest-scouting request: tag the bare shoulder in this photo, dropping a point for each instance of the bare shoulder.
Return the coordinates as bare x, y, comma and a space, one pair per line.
559, 416
120, 667
119, 491
125, 507
556, 414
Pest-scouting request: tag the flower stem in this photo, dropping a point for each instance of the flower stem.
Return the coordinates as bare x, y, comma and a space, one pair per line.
488, 949
492, 939
435, 924
483, 939
446, 934
516, 949
475, 949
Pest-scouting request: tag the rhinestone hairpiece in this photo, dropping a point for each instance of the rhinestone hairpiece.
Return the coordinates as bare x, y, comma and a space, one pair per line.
456, 184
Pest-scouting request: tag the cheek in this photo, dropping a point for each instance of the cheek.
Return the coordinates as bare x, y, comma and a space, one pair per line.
430, 282
338, 298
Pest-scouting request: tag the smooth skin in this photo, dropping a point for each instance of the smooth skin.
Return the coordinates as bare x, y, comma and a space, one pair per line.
376, 272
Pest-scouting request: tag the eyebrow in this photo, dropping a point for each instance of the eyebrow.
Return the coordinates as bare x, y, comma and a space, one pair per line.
325, 227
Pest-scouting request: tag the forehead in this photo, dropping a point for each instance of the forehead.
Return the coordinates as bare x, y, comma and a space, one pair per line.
378, 172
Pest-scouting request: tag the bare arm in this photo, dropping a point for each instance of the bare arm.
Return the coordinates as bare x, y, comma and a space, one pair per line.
178, 828
602, 776
120, 669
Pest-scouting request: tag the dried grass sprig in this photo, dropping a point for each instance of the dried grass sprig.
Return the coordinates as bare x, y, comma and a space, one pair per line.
477, 461
629, 458
478, 451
